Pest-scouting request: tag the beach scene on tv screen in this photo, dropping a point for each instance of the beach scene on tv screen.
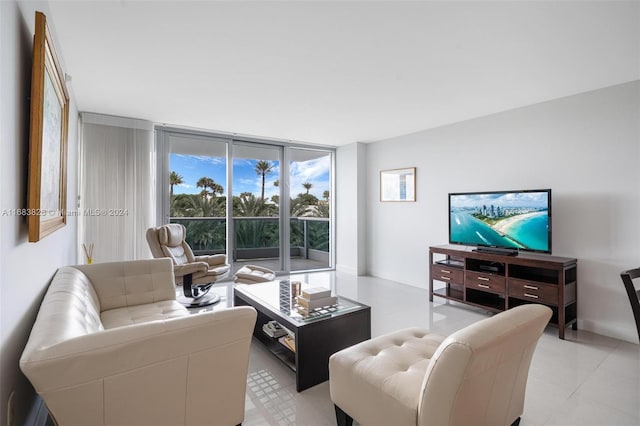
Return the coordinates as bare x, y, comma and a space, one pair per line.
518, 220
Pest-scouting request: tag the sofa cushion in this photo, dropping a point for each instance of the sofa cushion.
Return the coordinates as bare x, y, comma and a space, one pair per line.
121, 284
142, 313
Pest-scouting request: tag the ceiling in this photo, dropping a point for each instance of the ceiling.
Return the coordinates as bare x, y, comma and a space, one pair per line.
336, 72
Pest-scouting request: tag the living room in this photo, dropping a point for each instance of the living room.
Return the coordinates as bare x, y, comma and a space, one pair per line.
583, 144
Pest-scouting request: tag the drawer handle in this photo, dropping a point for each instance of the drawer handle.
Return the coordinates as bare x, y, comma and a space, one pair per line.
483, 279
444, 271
483, 286
445, 278
530, 287
533, 296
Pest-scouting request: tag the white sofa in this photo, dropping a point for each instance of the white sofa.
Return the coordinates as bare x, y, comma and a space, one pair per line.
111, 346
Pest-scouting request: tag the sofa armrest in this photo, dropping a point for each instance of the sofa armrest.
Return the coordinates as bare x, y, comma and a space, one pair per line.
127, 350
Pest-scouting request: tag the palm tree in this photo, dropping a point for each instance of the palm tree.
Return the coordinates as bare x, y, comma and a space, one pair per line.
321, 210
204, 182
216, 188
209, 184
248, 205
263, 168
206, 207
297, 207
174, 179
307, 186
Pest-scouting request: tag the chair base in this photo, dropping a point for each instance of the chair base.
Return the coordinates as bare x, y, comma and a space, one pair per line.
205, 300
195, 296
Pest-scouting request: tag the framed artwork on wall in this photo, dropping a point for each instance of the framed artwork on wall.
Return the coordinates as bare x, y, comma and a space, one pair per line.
398, 184
47, 186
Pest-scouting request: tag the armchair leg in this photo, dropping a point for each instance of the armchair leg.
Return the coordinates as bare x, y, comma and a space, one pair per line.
516, 422
342, 418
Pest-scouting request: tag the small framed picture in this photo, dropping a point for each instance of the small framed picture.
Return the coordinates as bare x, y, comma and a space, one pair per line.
398, 184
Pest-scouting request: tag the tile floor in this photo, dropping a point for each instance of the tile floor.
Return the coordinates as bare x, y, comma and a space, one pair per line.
586, 379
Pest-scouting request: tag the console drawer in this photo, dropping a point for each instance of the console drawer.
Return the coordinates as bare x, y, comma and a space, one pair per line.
533, 291
484, 282
447, 274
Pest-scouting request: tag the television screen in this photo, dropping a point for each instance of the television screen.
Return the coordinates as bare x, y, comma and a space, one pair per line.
512, 220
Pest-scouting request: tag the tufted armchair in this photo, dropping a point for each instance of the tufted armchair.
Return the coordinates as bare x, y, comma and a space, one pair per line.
196, 274
476, 376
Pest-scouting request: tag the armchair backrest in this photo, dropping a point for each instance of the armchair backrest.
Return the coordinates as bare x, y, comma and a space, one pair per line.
169, 241
478, 375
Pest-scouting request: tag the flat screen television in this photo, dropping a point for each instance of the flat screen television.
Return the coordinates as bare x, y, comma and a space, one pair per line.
501, 221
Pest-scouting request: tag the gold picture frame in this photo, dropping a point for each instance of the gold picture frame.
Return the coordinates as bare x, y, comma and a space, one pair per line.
398, 185
47, 186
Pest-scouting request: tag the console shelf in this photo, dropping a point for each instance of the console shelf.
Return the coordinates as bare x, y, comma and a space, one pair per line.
498, 282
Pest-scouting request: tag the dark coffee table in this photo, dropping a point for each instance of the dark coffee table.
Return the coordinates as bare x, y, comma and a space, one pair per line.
317, 336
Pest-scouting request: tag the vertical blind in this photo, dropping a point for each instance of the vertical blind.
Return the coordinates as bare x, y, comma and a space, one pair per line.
117, 181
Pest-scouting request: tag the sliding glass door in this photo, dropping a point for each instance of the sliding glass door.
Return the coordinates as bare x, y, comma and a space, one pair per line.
256, 206
263, 204
310, 209
197, 191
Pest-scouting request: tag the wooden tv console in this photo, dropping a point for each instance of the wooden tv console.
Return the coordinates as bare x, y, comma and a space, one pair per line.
497, 282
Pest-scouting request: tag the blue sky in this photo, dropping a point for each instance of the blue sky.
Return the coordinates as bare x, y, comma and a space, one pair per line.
512, 199
245, 179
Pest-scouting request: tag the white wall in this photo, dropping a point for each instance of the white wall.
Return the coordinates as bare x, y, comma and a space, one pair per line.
586, 148
25, 268
351, 208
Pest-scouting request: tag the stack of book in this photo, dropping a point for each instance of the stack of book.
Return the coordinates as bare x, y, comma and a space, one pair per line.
315, 298
289, 342
274, 329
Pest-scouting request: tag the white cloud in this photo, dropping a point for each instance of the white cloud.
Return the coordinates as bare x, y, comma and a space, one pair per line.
315, 172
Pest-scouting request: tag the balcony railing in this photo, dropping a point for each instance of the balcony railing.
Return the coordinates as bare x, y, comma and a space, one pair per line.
258, 237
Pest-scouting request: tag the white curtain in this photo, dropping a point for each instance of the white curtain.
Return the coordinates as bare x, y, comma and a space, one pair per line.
117, 182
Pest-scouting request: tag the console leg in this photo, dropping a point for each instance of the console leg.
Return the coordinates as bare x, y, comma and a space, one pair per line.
342, 418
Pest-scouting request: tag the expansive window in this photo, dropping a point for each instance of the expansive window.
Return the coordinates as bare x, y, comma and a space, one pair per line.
279, 214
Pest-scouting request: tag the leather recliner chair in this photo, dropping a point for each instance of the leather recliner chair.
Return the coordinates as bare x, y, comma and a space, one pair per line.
196, 274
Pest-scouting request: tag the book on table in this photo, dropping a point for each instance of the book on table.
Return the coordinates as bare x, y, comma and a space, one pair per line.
316, 293
311, 304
